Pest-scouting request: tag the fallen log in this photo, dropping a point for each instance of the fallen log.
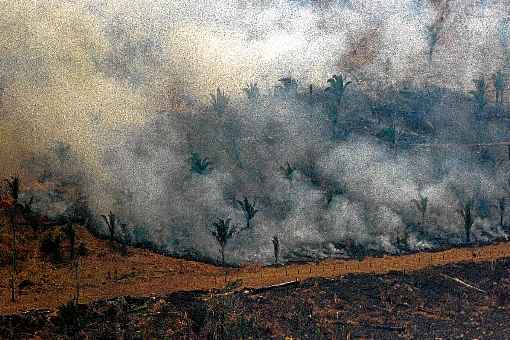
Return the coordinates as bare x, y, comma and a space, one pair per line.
267, 288
463, 283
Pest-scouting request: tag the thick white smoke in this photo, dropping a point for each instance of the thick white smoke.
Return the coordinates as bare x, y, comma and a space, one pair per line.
126, 85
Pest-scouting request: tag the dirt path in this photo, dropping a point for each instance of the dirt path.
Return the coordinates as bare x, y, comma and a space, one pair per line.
142, 273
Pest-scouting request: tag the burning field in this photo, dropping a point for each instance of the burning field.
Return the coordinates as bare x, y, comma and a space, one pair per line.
144, 143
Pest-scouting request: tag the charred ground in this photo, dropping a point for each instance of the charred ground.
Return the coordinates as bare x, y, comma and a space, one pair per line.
423, 304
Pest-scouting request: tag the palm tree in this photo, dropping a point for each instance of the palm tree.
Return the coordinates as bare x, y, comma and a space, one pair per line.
248, 210
252, 91
223, 232
219, 101
422, 205
466, 212
499, 84
337, 86
479, 94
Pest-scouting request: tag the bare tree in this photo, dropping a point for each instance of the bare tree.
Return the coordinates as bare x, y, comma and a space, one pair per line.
111, 223
223, 232
466, 211
70, 233
499, 85
81, 251
13, 185
422, 205
276, 246
502, 208
480, 94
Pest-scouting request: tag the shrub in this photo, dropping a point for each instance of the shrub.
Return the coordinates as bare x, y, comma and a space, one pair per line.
51, 247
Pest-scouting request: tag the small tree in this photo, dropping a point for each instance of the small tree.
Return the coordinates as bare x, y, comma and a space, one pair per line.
248, 210
219, 101
479, 94
276, 246
252, 91
466, 212
199, 165
422, 205
223, 232
111, 223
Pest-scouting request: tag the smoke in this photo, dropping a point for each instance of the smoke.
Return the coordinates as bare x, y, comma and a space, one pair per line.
124, 88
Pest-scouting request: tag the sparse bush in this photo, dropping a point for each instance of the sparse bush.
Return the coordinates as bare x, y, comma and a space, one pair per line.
198, 316
51, 247
288, 171
71, 318
199, 165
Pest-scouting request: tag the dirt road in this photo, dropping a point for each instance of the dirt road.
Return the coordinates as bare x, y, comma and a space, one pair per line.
106, 274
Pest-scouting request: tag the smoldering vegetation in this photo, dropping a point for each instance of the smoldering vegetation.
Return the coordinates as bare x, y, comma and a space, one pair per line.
177, 124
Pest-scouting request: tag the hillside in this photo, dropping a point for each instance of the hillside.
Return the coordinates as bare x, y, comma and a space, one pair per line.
106, 274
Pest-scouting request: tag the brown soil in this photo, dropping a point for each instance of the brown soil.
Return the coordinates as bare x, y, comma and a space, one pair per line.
107, 274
